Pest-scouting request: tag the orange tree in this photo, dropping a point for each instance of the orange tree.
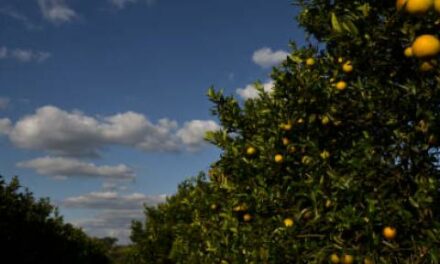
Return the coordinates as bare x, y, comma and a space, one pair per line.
339, 163
31, 231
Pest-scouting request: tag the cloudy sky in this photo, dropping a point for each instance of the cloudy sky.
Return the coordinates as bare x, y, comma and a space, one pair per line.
102, 103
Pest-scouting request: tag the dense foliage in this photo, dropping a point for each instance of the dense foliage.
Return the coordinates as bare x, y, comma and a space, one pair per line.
339, 164
31, 231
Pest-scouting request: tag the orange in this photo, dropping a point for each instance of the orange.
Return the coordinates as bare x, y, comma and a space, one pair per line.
334, 258
389, 232
287, 126
347, 259
437, 5
278, 158
347, 67
247, 217
288, 222
408, 52
286, 141
341, 85
426, 46
417, 7
310, 61
250, 151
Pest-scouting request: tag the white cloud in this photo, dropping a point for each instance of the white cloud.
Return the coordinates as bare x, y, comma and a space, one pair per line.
4, 102
123, 3
68, 167
23, 55
115, 212
250, 92
76, 134
5, 126
266, 58
113, 200
112, 223
193, 133
56, 11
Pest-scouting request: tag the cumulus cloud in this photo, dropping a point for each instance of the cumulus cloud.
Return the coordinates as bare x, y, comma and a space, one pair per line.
250, 91
4, 102
56, 11
23, 55
266, 57
76, 134
5, 126
68, 167
193, 133
112, 200
111, 223
115, 212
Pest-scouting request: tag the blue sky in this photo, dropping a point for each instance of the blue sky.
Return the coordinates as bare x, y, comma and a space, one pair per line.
102, 103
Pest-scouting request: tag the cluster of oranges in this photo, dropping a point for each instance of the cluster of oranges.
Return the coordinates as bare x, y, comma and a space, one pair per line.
347, 67
388, 233
424, 47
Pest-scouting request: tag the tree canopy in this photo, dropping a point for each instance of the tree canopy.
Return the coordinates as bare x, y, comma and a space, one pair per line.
338, 164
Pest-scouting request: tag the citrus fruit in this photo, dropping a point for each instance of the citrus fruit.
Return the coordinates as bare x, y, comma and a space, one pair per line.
310, 61
247, 217
417, 7
347, 67
334, 258
389, 232
250, 151
288, 222
341, 85
426, 46
278, 158
408, 52
347, 259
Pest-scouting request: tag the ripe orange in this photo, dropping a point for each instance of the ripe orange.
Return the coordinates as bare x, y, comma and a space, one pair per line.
437, 5
310, 61
347, 259
250, 151
408, 52
341, 85
347, 67
286, 141
389, 232
334, 258
287, 126
278, 158
247, 217
426, 46
288, 222
417, 7
300, 121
